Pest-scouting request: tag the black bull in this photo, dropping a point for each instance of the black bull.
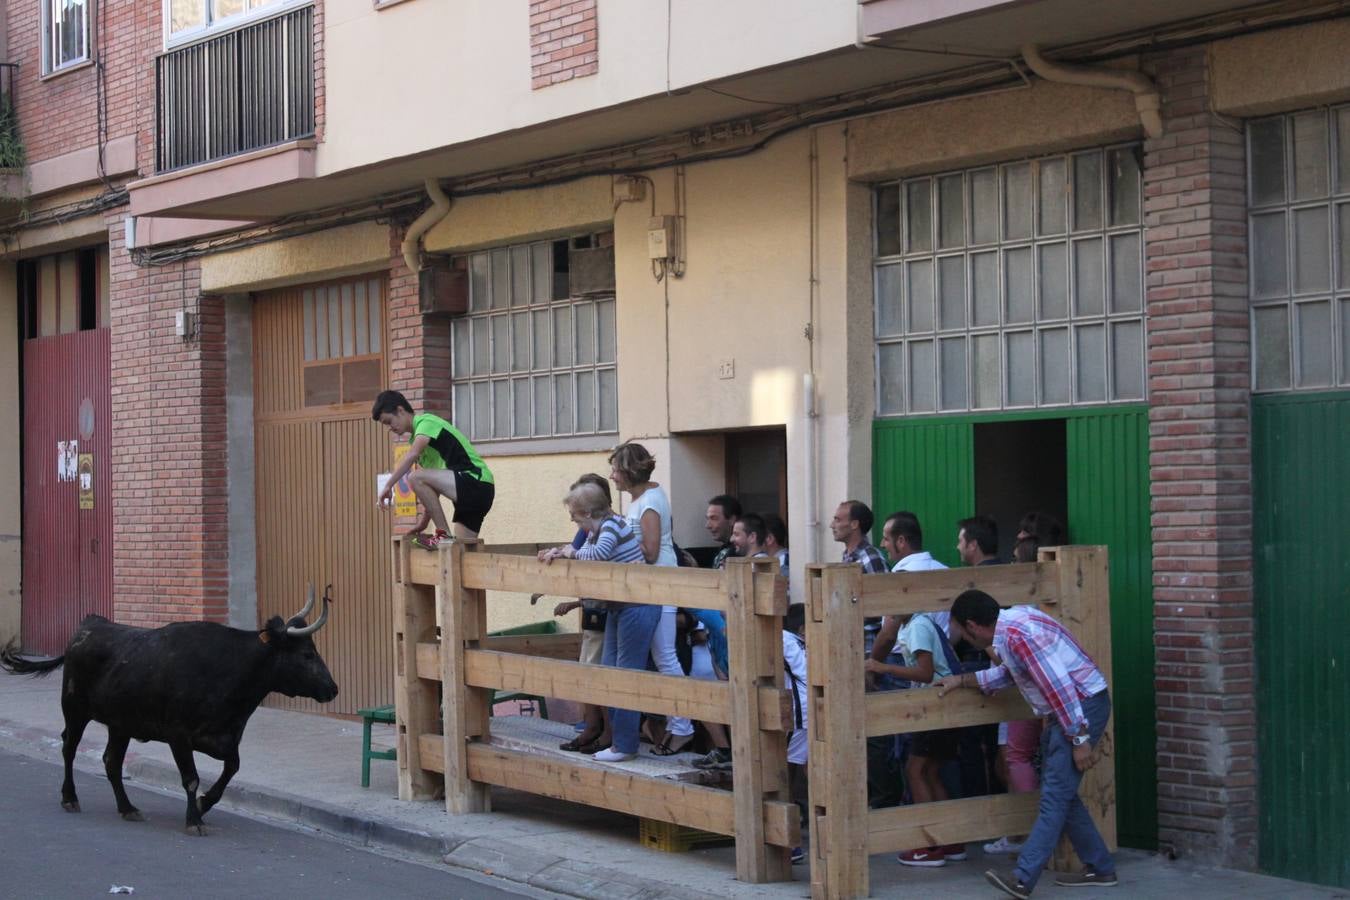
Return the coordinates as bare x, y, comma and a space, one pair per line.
192, 685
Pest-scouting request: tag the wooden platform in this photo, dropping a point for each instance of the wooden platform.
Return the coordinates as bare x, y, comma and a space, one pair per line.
542, 737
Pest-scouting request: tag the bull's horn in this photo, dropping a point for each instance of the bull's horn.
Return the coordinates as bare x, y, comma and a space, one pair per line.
309, 602
302, 630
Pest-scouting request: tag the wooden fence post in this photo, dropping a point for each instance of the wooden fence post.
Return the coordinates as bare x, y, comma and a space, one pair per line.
414, 698
837, 727
465, 710
755, 657
1085, 610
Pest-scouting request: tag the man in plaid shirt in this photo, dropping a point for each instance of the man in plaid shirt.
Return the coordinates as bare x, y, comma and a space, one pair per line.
1061, 683
850, 525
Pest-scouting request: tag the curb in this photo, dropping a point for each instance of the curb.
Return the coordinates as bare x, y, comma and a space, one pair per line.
500, 859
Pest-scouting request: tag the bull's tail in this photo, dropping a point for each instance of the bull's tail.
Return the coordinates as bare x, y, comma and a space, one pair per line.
12, 662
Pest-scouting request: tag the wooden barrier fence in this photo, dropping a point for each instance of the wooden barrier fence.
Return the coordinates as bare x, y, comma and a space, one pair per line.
446, 746
1069, 583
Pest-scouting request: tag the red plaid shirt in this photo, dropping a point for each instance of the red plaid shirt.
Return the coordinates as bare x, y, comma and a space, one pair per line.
1047, 664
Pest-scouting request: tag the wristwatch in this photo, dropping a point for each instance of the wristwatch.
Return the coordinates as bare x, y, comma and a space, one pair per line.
1079, 739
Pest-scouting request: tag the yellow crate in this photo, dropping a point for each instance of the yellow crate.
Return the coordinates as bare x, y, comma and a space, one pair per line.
672, 838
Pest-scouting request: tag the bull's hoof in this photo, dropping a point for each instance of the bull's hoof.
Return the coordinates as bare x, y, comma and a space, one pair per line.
70, 805
197, 830
133, 815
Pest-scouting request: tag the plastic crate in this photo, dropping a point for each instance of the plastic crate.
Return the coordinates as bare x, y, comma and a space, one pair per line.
672, 838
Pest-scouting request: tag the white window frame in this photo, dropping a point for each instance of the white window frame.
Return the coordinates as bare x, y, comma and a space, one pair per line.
1292, 301
474, 379
50, 40
1069, 323
213, 28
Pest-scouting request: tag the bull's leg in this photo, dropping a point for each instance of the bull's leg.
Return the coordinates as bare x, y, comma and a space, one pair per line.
187, 768
70, 742
113, 755
212, 797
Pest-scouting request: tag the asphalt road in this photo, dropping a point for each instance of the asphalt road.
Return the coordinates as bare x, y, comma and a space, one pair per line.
46, 852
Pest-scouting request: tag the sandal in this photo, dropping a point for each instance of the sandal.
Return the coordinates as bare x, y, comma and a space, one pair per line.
668, 747
594, 746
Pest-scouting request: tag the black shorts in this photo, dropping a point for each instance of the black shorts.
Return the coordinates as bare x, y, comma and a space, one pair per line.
473, 499
940, 744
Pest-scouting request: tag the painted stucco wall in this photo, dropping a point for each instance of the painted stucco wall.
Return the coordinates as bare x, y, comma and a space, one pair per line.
448, 52
308, 257
1001, 125
1298, 67
492, 219
11, 525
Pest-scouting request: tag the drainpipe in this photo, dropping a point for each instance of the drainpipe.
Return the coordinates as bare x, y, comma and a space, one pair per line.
1146, 98
439, 209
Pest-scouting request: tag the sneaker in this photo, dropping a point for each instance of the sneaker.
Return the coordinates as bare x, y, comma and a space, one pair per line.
717, 758
1007, 882
1087, 878
927, 857
798, 856
610, 755
430, 541
955, 853
1003, 845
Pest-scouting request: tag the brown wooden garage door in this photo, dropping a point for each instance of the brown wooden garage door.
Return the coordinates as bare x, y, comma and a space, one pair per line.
318, 361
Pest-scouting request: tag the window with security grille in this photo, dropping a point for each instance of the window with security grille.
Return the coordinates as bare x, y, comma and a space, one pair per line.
1299, 246
1010, 286
535, 356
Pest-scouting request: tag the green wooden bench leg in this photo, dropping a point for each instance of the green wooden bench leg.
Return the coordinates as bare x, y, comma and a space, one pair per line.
365, 751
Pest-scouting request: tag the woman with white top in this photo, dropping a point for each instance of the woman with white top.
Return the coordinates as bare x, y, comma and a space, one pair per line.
650, 516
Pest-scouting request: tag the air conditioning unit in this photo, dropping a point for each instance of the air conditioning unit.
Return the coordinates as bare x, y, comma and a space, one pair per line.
442, 289
591, 271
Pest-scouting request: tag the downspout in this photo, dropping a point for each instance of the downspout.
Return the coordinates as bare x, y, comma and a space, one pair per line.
439, 209
1147, 101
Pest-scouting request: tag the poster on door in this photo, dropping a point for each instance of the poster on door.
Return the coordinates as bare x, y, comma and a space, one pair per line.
405, 501
86, 479
66, 465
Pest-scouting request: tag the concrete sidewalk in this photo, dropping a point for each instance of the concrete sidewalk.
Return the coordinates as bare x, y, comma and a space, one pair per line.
305, 770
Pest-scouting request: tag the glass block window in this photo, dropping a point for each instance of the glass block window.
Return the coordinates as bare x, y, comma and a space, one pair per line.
1011, 286
531, 359
1299, 249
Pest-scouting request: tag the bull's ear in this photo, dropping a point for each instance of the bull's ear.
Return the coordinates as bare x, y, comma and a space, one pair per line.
265, 636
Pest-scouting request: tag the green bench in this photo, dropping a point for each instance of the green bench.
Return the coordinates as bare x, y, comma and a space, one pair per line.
373, 714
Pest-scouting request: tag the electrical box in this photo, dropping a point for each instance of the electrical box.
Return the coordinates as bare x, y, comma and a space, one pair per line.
184, 324
442, 289
663, 237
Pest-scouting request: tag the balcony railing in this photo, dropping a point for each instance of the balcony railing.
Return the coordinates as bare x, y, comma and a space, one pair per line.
242, 90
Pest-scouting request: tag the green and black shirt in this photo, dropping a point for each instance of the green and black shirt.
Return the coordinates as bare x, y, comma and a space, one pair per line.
448, 448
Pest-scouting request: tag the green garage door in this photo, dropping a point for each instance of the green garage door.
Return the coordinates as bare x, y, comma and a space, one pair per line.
928, 467
1300, 457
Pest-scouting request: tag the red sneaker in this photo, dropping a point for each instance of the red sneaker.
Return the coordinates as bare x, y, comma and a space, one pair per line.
928, 858
430, 541
955, 852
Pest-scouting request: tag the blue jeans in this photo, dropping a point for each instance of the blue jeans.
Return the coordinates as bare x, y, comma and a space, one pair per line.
1061, 810
628, 641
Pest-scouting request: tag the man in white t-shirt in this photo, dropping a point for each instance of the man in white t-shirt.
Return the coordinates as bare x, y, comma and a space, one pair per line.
902, 539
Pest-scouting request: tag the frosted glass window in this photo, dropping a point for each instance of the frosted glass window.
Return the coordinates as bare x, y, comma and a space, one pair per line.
500, 295
501, 409
605, 324
890, 310
520, 342
951, 212
609, 399
1299, 249
1315, 342
459, 352
521, 410
966, 282
586, 401
501, 344
891, 379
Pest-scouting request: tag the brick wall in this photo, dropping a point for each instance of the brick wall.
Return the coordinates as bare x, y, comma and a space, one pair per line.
320, 117
1199, 379
168, 445
564, 41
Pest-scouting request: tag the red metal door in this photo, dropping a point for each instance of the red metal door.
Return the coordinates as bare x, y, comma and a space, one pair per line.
67, 550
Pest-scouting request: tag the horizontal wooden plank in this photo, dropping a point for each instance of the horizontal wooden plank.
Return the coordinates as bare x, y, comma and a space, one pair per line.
950, 821
910, 592
595, 684
424, 567
921, 709
564, 645
610, 787
696, 588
